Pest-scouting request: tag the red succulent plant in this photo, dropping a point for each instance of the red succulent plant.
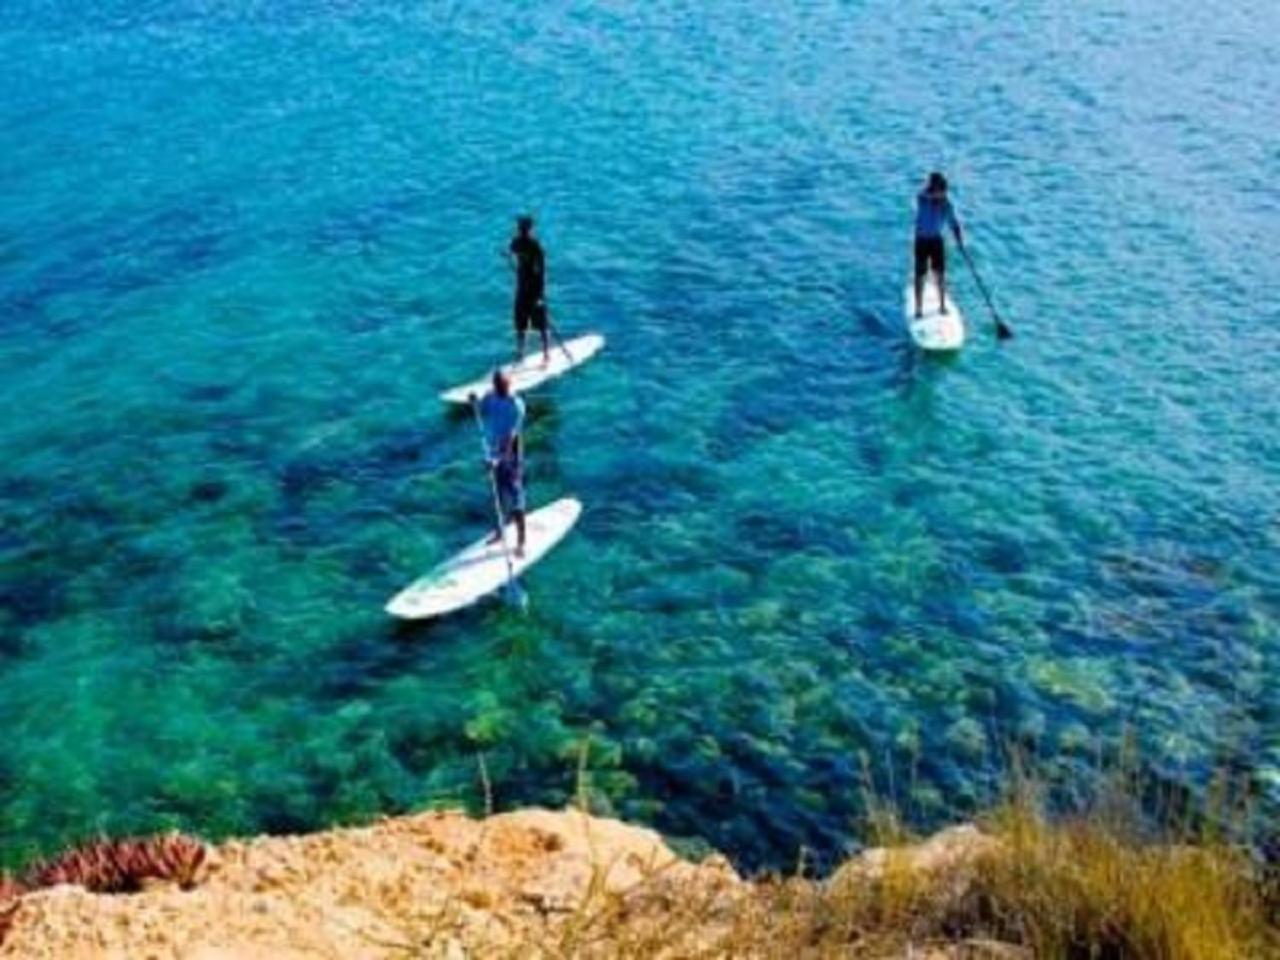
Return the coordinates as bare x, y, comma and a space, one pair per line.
122, 866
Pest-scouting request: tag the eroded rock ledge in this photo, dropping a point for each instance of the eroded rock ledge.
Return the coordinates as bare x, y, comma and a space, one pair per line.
445, 885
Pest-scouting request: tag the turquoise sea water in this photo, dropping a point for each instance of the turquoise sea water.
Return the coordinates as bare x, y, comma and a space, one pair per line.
243, 245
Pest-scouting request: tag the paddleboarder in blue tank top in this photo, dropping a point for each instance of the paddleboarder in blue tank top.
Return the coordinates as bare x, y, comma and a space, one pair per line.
934, 214
502, 414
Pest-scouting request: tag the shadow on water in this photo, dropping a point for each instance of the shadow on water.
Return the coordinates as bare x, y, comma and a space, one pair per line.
357, 665
166, 244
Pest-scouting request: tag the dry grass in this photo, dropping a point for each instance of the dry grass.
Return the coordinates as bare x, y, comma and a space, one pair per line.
1080, 889
1023, 886
1091, 887
1027, 886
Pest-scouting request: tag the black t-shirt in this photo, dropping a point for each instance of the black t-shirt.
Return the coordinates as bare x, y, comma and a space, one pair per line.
529, 263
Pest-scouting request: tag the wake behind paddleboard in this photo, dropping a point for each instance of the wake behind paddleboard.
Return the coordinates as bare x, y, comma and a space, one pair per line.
481, 569
533, 371
933, 330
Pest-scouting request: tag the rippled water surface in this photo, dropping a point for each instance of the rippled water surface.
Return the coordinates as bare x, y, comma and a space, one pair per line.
243, 245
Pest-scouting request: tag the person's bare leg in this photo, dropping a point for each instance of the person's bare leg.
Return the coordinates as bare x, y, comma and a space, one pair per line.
519, 345
503, 516
518, 517
546, 347
942, 291
497, 531
919, 293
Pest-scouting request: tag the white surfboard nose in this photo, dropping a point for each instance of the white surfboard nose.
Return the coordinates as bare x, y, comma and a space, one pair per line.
481, 569
533, 370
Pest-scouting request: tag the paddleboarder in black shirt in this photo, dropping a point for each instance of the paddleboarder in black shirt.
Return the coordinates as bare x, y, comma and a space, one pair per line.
531, 274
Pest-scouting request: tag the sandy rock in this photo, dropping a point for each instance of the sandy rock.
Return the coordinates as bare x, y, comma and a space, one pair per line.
443, 886
948, 852
433, 885
977, 950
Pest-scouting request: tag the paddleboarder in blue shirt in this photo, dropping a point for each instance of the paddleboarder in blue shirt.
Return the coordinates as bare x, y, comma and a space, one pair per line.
530, 265
502, 414
934, 214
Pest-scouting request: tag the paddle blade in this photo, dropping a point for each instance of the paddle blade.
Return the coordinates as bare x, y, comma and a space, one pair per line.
514, 596
1002, 331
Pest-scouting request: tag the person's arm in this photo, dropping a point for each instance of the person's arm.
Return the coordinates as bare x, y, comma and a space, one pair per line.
518, 428
477, 404
956, 229
511, 443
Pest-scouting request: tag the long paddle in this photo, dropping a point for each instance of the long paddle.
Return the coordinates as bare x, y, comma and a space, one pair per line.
512, 592
555, 332
1003, 332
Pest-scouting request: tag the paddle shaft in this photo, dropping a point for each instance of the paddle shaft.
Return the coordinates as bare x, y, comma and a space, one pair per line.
497, 500
1002, 328
555, 332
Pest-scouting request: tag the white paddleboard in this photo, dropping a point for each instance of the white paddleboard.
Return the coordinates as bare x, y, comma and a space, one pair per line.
934, 330
532, 371
481, 569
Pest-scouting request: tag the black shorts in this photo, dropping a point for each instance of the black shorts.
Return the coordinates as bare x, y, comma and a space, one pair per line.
530, 311
930, 252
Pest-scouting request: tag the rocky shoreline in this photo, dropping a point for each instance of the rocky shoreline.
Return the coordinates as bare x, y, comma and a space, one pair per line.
431, 885
538, 883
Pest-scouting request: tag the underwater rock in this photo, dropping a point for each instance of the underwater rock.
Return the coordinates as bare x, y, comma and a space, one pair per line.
1079, 680
207, 491
967, 738
214, 603
1075, 738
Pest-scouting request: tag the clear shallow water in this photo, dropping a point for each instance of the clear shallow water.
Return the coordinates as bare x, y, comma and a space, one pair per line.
243, 245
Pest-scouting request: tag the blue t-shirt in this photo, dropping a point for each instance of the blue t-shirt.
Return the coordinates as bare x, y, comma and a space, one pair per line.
932, 215
503, 417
